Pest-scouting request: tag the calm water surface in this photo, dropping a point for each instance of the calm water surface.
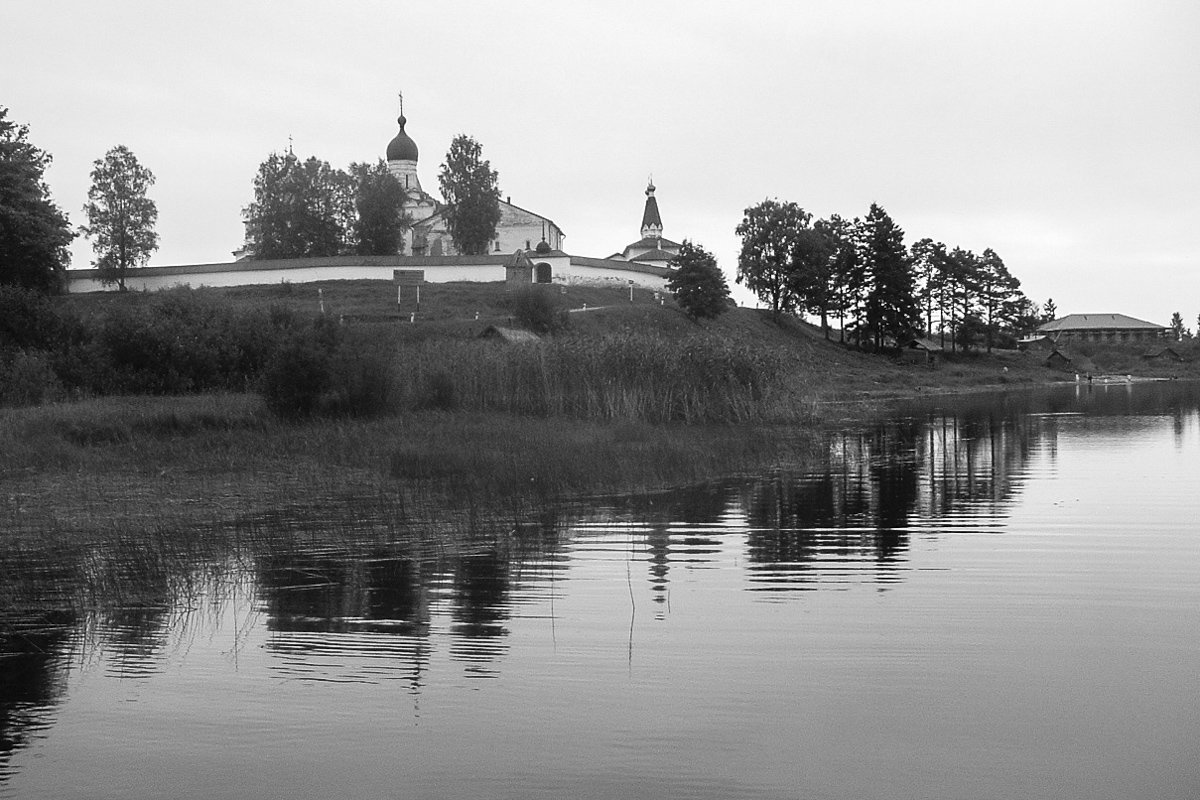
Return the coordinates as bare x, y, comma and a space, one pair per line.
995, 598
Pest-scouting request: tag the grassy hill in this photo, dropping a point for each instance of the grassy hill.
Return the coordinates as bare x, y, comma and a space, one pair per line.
458, 312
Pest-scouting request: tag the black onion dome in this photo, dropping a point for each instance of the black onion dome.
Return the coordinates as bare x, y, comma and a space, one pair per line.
402, 148
543, 247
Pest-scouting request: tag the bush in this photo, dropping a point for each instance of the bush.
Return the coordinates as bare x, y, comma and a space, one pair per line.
27, 319
537, 308
296, 378
27, 378
362, 379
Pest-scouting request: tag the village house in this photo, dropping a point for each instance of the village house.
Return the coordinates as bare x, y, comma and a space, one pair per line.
1111, 328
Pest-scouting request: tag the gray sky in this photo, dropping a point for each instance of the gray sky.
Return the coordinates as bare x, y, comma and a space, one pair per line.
1064, 135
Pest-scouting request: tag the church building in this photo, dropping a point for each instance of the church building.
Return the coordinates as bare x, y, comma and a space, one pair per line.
652, 248
518, 228
527, 248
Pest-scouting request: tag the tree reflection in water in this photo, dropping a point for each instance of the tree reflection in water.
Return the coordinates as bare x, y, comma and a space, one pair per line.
368, 600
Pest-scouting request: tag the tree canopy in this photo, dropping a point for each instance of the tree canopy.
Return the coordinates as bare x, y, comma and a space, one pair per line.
770, 233
880, 291
34, 232
300, 208
379, 203
698, 284
470, 188
121, 217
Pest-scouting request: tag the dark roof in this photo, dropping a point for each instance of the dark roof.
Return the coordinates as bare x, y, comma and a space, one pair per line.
656, 254
925, 344
652, 241
1169, 353
1093, 322
402, 148
518, 259
650, 215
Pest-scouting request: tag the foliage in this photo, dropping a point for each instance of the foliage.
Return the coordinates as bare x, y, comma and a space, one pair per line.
379, 203
300, 208
931, 267
469, 187
34, 232
627, 375
1049, 310
296, 378
813, 270
27, 377
537, 308
27, 319
891, 310
1000, 297
698, 284
769, 234
1178, 331
120, 216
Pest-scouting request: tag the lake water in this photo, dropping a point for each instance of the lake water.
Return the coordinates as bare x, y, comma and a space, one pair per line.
996, 597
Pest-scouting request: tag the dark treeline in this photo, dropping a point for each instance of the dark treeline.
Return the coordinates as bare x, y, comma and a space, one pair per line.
860, 273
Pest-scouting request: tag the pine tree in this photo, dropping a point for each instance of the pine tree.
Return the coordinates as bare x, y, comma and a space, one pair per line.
891, 307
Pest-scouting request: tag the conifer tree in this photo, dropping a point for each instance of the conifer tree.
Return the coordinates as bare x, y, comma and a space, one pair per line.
891, 308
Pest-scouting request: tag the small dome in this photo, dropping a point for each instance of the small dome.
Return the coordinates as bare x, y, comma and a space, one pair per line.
543, 247
402, 148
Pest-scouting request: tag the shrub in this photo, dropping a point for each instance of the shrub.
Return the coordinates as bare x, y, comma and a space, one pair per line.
362, 379
296, 378
27, 319
27, 378
537, 308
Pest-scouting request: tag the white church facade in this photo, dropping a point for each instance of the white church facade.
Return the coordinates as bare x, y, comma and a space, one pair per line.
527, 247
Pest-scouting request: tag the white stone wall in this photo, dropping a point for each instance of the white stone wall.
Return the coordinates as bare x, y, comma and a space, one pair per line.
596, 276
438, 274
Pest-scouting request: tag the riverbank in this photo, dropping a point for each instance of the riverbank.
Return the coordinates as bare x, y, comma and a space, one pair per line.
631, 397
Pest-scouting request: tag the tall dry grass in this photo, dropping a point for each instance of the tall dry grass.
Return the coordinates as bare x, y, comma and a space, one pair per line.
621, 376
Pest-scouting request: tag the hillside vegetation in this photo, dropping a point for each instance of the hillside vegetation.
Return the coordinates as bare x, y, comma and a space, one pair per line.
352, 347
143, 413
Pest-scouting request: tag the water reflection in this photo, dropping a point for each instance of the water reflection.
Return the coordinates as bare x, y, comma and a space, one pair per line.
365, 602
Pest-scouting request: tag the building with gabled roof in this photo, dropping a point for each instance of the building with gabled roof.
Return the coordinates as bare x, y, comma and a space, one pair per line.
1101, 328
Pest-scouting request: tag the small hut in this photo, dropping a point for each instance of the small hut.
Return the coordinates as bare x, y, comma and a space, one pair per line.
1059, 360
921, 351
1162, 354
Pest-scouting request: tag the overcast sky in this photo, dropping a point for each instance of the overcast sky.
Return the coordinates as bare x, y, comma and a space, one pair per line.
1063, 135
